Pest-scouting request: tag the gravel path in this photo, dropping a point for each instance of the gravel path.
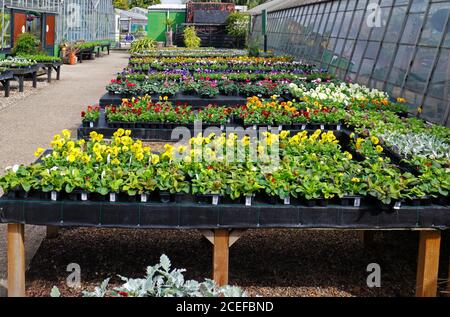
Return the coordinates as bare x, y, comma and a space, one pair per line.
30, 119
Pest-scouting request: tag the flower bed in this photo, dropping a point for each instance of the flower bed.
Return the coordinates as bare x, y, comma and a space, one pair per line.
306, 168
200, 52
142, 112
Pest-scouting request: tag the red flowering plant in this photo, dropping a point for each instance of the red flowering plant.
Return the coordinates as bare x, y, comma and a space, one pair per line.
214, 114
207, 89
91, 114
123, 87
259, 89
145, 110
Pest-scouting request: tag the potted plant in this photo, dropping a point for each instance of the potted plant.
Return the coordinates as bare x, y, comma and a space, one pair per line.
72, 51
169, 33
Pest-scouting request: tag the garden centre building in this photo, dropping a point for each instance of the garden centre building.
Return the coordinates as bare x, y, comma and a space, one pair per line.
54, 21
400, 46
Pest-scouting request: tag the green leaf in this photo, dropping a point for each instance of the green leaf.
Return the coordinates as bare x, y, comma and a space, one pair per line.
165, 262
55, 292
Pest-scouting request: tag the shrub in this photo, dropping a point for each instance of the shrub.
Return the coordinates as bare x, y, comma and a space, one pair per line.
237, 24
26, 44
142, 44
191, 40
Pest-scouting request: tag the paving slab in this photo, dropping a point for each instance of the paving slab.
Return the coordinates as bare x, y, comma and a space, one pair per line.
32, 121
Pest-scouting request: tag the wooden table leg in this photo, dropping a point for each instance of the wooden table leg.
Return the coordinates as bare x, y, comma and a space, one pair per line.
20, 79
220, 257
367, 237
16, 260
428, 263
7, 86
52, 232
49, 74
35, 80
448, 282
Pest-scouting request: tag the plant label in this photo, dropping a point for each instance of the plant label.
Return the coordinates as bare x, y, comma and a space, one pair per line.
357, 202
338, 128
303, 126
397, 205
287, 200
269, 127
255, 127
112, 197
83, 196
91, 124
143, 198
280, 127
215, 200
322, 127
54, 195
222, 127
248, 200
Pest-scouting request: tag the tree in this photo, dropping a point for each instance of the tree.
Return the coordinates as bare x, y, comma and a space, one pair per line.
121, 4
143, 3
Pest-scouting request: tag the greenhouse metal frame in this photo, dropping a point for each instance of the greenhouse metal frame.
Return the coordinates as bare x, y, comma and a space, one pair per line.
400, 46
86, 20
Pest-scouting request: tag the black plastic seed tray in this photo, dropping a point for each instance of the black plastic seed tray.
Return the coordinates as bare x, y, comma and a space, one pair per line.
195, 101
195, 215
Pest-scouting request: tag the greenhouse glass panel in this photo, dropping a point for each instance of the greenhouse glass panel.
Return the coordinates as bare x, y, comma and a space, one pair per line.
357, 20
435, 109
378, 31
401, 63
395, 24
420, 69
418, 6
346, 24
435, 24
384, 61
440, 81
412, 29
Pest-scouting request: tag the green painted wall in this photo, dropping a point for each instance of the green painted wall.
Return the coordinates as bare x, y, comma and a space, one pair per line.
156, 26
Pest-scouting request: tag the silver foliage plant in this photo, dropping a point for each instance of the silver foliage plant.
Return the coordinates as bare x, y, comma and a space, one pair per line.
161, 281
417, 144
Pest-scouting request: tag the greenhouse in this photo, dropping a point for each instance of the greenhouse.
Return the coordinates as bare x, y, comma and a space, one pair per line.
294, 149
54, 22
401, 47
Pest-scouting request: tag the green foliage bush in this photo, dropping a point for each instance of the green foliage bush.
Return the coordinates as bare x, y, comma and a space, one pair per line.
237, 24
26, 44
191, 40
253, 48
142, 45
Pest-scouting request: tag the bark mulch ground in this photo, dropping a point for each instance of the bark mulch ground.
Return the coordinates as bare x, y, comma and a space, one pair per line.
263, 262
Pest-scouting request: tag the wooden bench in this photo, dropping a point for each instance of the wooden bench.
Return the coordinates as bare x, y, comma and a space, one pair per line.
48, 67
20, 73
